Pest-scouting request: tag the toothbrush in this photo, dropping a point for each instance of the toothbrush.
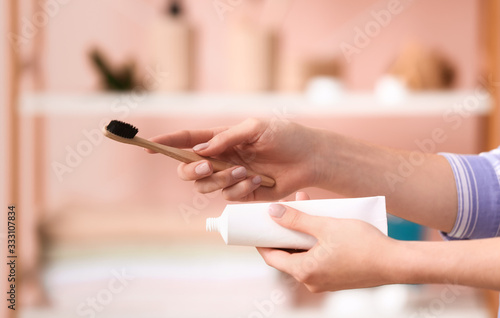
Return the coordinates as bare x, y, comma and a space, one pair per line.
126, 133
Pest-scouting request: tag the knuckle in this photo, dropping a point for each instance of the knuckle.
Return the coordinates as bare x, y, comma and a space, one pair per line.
249, 197
294, 220
220, 139
186, 135
253, 123
201, 187
245, 198
223, 179
268, 261
248, 186
227, 195
314, 288
216, 139
302, 276
241, 191
322, 227
181, 172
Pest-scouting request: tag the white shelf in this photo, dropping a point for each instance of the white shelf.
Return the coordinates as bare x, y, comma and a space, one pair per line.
156, 104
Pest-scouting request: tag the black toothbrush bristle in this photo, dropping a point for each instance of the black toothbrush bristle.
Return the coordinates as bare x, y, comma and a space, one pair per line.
122, 129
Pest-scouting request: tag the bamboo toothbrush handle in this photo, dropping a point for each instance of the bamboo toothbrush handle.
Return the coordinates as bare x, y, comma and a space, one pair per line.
189, 156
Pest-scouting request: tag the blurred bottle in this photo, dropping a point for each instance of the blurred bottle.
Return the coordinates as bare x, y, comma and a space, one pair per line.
251, 51
172, 49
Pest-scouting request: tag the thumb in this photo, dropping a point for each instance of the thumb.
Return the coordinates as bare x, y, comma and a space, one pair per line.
239, 134
295, 220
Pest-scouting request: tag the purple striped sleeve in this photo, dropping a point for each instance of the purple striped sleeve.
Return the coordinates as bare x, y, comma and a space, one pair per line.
478, 186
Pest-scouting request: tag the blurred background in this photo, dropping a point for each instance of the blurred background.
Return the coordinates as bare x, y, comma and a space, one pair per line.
106, 230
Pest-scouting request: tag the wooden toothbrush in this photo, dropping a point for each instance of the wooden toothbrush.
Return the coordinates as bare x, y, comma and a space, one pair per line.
126, 133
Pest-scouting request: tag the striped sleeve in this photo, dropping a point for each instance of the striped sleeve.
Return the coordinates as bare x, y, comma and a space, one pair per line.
477, 179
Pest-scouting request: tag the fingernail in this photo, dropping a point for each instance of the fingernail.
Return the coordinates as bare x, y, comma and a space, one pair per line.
257, 180
276, 210
202, 146
239, 173
202, 169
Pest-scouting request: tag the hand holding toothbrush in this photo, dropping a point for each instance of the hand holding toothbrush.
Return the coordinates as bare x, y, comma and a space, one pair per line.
281, 150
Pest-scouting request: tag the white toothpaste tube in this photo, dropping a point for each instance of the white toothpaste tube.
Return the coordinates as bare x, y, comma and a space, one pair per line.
251, 225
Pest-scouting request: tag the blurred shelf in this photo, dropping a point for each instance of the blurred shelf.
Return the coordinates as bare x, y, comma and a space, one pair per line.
158, 104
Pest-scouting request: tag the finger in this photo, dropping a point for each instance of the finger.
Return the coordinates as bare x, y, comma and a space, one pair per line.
194, 170
242, 190
278, 259
221, 179
296, 220
301, 196
246, 132
186, 138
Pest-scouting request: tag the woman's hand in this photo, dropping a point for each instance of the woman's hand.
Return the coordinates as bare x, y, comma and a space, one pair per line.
281, 150
348, 254
354, 254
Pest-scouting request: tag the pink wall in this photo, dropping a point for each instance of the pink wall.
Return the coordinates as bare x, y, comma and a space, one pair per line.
310, 29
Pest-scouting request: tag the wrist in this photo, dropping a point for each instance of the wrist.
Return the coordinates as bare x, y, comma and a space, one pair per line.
329, 160
400, 267
390, 264
403, 263
315, 164
417, 263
